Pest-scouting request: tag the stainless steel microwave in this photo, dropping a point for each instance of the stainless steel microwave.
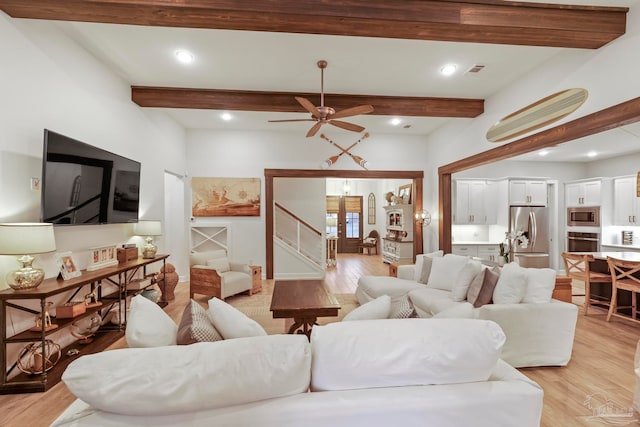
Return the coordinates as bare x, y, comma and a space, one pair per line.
584, 217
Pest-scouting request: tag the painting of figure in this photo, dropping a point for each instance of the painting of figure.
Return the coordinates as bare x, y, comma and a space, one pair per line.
225, 197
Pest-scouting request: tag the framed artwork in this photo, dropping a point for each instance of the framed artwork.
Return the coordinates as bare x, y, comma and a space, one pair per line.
67, 265
102, 256
371, 208
404, 191
225, 197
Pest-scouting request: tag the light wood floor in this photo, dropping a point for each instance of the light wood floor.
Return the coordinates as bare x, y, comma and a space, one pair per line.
601, 367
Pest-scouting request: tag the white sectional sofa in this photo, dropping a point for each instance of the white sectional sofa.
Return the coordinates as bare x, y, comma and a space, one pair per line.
409, 372
539, 329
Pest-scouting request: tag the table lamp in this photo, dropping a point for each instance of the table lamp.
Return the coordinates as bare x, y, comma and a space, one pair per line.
149, 228
24, 238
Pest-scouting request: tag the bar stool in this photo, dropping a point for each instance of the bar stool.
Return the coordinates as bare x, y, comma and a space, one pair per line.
577, 267
622, 273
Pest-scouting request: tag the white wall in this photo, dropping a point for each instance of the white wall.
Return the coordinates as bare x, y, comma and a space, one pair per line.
48, 81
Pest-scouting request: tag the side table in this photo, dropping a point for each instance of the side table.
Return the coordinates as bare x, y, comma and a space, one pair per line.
256, 278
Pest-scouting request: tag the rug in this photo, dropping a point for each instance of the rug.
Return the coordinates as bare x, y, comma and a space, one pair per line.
257, 307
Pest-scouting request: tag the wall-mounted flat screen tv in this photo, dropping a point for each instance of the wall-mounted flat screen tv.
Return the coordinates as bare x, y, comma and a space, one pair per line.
83, 184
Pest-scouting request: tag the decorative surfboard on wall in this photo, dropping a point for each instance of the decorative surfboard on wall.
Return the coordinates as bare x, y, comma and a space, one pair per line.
539, 114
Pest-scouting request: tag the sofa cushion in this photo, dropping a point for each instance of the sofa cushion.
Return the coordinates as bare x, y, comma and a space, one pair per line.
489, 282
458, 311
195, 326
464, 279
431, 301
374, 286
148, 325
445, 270
418, 265
376, 309
201, 258
511, 285
221, 265
540, 285
355, 355
178, 379
231, 322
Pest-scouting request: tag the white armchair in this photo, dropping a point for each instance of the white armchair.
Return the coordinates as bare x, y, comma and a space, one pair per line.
212, 274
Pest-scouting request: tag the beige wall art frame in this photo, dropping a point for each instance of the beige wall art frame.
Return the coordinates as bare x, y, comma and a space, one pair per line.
225, 196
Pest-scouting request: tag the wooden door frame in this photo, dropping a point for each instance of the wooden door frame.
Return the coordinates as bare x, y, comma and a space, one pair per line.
269, 175
609, 118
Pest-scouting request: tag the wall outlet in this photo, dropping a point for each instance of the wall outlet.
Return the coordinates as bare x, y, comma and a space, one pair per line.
35, 183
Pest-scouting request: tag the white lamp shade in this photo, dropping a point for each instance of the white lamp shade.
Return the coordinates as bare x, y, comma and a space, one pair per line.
148, 228
21, 238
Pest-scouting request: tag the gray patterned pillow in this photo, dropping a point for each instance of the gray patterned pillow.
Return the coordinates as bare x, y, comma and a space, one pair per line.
195, 326
401, 308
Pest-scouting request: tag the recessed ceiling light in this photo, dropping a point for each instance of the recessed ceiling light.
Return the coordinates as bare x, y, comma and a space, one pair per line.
184, 56
395, 121
226, 117
592, 154
543, 152
448, 69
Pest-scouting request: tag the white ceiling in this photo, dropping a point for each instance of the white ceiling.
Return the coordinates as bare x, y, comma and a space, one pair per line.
261, 61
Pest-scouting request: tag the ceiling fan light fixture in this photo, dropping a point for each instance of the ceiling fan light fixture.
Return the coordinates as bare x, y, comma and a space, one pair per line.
184, 56
448, 69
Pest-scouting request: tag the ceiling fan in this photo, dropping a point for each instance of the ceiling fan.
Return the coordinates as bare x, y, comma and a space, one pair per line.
324, 114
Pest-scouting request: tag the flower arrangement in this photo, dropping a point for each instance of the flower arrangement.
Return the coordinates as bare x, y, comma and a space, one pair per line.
511, 239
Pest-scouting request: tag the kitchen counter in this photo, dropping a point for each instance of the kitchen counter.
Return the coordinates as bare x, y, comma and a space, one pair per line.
618, 245
627, 256
474, 243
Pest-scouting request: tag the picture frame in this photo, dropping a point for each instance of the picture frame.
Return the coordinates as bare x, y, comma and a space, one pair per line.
67, 265
102, 256
212, 197
404, 191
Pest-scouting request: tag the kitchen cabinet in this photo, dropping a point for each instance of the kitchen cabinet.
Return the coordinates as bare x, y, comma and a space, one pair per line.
586, 193
485, 252
527, 193
625, 202
470, 202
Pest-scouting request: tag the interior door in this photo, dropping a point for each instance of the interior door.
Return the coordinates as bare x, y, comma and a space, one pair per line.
344, 220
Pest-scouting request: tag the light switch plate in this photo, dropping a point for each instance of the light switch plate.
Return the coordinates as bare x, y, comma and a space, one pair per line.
35, 183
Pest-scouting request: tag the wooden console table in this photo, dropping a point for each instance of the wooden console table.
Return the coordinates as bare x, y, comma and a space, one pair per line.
119, 275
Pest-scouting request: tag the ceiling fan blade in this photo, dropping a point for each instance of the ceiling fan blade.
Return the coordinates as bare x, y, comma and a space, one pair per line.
353, 111
345, 125
308, 106
314, 129
292, 120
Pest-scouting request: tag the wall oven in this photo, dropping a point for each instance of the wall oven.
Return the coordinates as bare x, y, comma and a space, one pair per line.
583, 242
583, 217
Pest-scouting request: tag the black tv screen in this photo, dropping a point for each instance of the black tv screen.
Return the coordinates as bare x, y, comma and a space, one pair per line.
83, 184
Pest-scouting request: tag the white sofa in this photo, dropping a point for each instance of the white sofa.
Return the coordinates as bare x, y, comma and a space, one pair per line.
538, 333
346, 376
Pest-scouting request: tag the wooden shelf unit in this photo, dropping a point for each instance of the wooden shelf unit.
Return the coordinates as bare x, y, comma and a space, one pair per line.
119, 275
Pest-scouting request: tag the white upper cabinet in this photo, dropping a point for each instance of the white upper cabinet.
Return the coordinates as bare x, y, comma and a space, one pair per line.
527, 193
625, 202
586, 193
470, 202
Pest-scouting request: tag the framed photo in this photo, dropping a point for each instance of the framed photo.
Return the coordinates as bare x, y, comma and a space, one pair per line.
68, 267
404, 191
102, 256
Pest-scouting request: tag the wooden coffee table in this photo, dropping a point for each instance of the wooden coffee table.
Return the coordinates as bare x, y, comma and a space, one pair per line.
304, 301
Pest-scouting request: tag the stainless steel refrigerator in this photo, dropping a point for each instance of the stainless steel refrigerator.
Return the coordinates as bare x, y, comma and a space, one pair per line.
534, 222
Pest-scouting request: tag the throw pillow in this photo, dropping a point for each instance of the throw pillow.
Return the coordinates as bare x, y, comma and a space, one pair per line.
148, 325
475, 286
444, 271
195, 326
370, 240
464, 279
418, 265
375, 309
425, 351
401, 308
511, 287
221, 265
540, 285
231, 322
491, 277
185, 379
427, 262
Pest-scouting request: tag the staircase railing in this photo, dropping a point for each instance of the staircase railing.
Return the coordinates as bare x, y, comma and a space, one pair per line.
306, 240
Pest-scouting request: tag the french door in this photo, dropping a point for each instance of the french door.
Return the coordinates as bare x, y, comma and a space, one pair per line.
344, 220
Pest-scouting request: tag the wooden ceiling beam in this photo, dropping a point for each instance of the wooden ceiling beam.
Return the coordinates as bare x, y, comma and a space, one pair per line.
213, 99
472, 21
